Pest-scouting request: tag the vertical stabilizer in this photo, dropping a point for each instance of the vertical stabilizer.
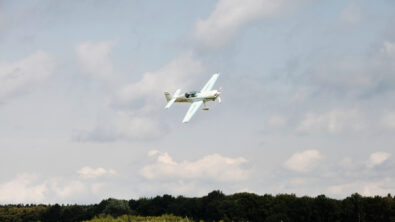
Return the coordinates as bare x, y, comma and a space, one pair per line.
168, 96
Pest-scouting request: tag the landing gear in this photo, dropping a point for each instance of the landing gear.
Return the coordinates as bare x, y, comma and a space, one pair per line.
205, 107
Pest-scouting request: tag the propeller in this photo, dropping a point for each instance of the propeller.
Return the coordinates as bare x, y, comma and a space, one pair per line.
219, 92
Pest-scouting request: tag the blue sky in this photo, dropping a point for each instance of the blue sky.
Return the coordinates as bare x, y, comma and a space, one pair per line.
308, 106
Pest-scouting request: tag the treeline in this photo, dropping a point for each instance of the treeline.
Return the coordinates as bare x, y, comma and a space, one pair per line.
216, 206
133, 218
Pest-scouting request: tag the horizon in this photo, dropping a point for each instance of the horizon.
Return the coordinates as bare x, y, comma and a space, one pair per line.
197, 197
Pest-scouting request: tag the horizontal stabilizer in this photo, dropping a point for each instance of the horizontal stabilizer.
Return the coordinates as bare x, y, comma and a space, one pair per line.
173, 99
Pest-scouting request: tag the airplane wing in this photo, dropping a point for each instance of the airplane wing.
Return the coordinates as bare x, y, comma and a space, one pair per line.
192, 110
209, 85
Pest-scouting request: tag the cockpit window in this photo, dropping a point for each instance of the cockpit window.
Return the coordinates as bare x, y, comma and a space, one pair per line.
191, 94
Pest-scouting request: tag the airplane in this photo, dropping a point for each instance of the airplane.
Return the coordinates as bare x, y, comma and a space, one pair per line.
197, 98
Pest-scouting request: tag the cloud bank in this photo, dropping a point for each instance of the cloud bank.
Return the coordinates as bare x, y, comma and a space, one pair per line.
303, 162
213, 167
229, 16
26, 74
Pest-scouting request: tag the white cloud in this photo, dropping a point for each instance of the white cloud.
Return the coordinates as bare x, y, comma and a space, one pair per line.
303, 162
123, 125
88, 172
212, 167
351, 14
95, 59
66, 189
385, 62
229, 16
136, 108
153, 152
388, 120
334, 121
388, 48
130, 126
180, 72
23, 188
377, 158
367, 188
23, 75
97, 188
175, 188
354, 76
31, 188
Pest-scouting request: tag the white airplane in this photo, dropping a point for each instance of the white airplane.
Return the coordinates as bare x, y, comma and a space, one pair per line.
197, 98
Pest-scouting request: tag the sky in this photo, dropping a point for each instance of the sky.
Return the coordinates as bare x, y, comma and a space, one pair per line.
308, 104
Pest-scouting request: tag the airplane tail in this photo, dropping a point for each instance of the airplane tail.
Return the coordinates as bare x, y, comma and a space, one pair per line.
168, 96
171, 99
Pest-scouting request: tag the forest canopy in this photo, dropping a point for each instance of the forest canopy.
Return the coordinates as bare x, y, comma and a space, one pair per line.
215, 206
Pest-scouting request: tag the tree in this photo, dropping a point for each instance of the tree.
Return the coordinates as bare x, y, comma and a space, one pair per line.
52, 214
353, 210
117, 208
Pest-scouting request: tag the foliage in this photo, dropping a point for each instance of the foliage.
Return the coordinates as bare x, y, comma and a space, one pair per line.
132, 218
215, 206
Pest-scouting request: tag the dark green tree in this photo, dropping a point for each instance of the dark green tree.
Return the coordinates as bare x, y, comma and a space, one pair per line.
117, 208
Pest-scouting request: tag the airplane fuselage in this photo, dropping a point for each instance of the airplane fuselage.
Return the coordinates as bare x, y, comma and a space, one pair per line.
211, 95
